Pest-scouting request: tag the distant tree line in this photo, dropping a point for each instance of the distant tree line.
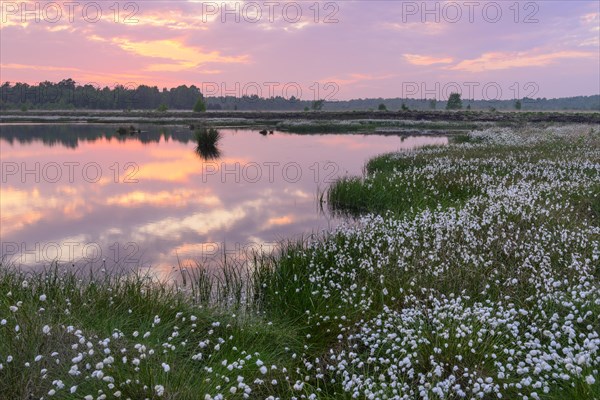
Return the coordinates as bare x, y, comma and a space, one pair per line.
67, 94
583, 103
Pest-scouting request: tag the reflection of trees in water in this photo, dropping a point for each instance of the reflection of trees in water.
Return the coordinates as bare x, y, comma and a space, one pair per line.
70, 135
206, 143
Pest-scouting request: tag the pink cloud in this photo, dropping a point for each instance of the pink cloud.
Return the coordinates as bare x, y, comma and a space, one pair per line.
38, 67
505, 60
417, 59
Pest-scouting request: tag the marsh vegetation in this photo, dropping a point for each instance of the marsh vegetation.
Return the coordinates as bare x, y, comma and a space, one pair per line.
470, 271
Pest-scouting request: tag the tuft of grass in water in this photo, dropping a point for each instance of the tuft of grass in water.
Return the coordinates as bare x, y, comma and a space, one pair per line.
207, 137
207, 140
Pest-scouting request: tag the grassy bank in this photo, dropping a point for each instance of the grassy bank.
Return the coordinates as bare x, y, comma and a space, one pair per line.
373, 125
472, 272
240, 118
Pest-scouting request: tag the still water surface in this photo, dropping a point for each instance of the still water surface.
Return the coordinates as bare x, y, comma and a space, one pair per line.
81, 193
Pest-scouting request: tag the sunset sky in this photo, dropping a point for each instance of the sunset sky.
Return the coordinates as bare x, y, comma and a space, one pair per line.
349, 50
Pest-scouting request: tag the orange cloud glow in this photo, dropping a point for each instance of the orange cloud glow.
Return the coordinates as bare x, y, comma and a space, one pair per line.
15, 212
181, 56
163, 198
285, 220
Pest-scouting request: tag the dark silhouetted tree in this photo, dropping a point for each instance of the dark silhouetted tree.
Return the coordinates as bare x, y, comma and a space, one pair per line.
200, 106
454, 102
518, 105
317, 105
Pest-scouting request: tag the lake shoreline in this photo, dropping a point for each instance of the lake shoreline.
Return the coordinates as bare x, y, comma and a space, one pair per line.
271, 118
